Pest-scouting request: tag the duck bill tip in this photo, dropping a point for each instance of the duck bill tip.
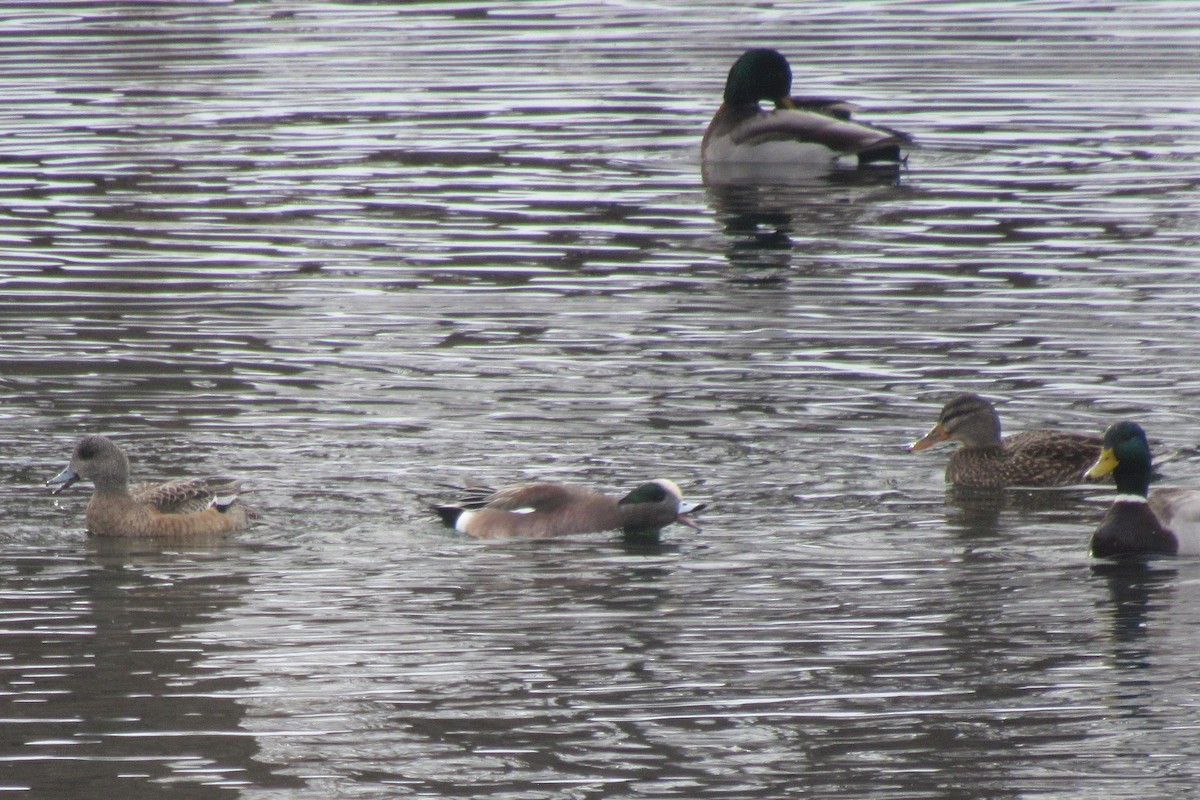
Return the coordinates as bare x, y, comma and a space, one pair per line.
936, 435
61, 481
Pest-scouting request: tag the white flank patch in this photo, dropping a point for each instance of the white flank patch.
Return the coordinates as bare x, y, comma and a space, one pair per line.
460, 524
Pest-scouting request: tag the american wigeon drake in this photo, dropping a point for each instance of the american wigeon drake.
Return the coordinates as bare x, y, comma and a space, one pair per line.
199, 507
985, 459
798, 130
541, 510
1165, 521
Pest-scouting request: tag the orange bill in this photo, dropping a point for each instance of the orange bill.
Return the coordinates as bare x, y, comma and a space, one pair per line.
936, 434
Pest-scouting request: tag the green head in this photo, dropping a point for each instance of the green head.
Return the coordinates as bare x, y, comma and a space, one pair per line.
1126, 454
655, 505
759, 74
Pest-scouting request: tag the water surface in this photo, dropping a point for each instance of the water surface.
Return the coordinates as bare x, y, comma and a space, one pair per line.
353, 252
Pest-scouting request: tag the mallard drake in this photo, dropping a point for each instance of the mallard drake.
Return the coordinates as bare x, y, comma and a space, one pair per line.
798, 130
985, 459
540, 510
1165, 521
198, 507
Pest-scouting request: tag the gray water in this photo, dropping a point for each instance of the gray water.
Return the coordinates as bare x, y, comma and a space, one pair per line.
351, 252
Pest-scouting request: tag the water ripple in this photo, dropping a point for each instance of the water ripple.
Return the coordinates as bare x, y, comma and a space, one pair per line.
354, 252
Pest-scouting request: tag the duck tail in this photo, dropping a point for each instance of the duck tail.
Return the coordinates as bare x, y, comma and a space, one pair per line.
222, 502
890, 154
449, 514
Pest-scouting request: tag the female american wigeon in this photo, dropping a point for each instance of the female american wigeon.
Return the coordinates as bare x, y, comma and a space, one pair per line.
199, 507
1044, 457
540, 510
798, 130
1140, 522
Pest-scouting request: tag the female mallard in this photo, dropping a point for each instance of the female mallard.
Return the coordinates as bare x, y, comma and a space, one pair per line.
1029, 458
1141, 522
799, 130
540, 510
198, 507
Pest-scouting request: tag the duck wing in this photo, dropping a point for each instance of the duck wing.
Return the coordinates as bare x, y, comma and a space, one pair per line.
187, 496
536, 497
833, 106
1179, 510
840, 135
1052, 457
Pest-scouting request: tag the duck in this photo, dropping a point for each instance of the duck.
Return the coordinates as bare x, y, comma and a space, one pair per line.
196, 507
1141, 522
798, 130
542, 510
1034, 458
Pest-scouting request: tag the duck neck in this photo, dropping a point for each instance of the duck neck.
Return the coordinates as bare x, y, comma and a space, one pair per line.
111, 484
1132, 477
644, 519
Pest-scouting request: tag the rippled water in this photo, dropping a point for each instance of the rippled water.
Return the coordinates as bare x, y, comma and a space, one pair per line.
351, 252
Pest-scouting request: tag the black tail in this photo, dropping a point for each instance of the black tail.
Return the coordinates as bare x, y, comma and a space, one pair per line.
449, 514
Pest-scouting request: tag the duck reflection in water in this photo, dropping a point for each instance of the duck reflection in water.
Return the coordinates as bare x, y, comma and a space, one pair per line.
775, 223
1137, 590
121, 651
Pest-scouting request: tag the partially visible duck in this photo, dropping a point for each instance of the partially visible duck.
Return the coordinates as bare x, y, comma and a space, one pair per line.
540, 510
985, 459
1165, 521
798, 130
198, 507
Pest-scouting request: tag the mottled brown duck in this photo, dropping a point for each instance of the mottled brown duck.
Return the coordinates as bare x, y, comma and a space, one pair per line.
984, 458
